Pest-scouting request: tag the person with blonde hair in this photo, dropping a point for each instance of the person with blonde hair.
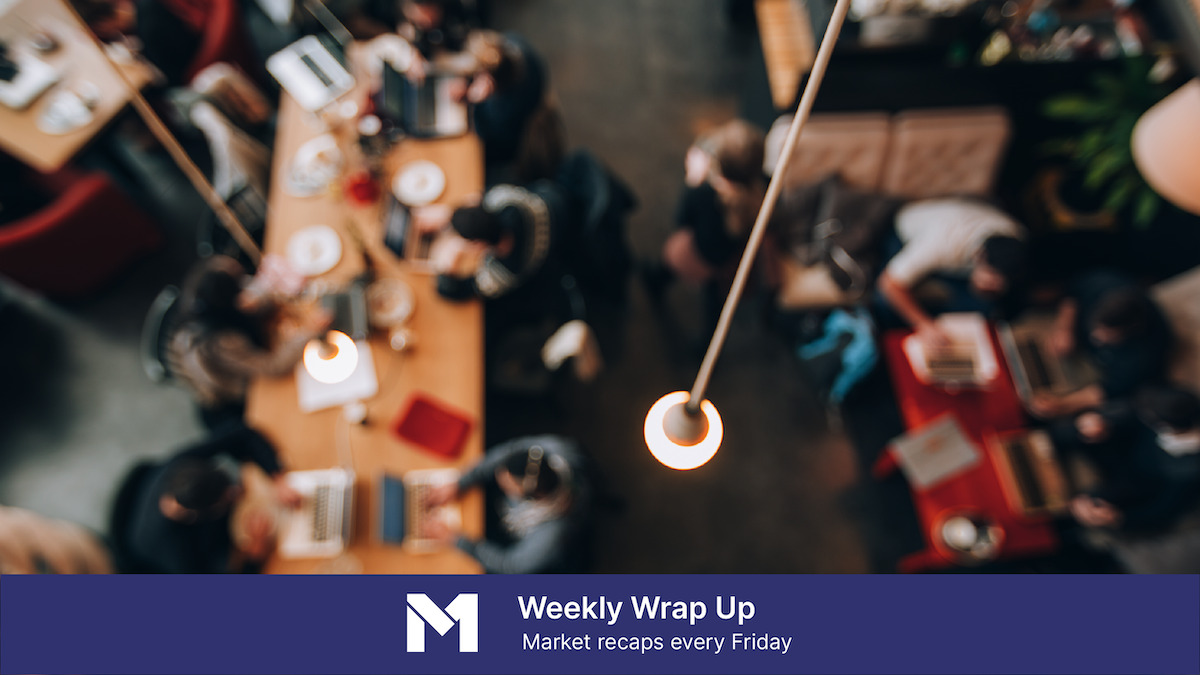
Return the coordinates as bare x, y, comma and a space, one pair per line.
724, 188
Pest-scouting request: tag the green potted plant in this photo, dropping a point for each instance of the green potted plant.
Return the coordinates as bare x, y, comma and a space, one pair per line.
1099, 158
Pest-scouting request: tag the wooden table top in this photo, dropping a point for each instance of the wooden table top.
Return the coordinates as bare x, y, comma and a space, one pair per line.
446, 362
80, 62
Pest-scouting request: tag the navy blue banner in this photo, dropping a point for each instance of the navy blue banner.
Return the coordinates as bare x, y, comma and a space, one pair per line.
600, 624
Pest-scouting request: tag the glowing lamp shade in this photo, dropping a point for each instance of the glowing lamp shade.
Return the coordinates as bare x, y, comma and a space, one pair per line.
331, 360
1166, 147
688, 447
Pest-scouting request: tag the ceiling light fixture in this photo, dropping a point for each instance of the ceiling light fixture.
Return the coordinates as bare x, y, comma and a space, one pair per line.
683, 429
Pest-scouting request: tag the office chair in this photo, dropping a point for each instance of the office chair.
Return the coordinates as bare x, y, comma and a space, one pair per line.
156, 333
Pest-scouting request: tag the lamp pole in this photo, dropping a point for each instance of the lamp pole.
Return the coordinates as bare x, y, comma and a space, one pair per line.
820, 64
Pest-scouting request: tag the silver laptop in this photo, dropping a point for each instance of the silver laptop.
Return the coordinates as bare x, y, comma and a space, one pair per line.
1035, 369
308, 71
321, 527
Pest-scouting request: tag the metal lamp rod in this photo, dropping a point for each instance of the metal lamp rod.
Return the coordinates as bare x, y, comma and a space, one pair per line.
178, 154
768, 207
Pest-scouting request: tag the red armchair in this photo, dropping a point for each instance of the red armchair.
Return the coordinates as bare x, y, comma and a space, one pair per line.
224, 37
87, 233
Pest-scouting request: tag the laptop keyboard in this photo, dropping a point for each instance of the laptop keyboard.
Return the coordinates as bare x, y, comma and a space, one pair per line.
321, 529
418, 508
1035, 364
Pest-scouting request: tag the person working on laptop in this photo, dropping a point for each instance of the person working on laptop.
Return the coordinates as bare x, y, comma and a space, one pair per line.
1119, 328
524, 138
544, 506
1147, 454
221, 341
432, 26
180, 520
503, 248
972, 252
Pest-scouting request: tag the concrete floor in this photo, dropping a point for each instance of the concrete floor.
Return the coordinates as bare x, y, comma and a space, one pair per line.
637, 80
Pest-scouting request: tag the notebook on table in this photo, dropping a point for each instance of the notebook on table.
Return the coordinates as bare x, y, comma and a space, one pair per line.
934, 452
404, 510
321, 527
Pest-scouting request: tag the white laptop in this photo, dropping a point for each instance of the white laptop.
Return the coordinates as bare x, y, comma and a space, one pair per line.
310, 73
33, 78
321, 527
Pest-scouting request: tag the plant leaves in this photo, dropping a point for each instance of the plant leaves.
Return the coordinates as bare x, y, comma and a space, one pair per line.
1078, 107
1121, 192
1090, 144
1106, 165
1146, 208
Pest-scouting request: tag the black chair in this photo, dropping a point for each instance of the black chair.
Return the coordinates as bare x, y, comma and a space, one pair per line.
156, 332
121, 517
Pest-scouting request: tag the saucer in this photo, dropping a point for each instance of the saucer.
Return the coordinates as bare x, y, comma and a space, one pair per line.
65, 112
315, 165
419, 183
314, 250
389, 302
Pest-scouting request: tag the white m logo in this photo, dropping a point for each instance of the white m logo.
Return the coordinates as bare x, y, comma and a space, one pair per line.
464, 611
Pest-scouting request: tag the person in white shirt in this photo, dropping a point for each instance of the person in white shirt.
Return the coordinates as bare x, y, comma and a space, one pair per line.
955, 238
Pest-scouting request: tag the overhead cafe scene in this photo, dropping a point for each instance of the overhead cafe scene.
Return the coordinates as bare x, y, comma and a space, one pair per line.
657, 286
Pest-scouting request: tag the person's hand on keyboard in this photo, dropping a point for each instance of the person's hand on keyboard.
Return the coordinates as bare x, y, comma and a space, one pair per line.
439, 495
436, 528
260, 530
285, 493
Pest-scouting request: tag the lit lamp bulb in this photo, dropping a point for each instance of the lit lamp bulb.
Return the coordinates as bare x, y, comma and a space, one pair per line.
331, 360
679, 438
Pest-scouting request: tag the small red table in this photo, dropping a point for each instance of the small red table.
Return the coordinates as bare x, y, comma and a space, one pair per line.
976, 490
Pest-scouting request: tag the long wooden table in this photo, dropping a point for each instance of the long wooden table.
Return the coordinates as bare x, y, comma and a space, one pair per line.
445, 363
79, 60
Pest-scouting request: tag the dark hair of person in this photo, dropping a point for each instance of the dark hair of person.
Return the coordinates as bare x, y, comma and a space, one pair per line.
1178, 409
477, 224
93, 11
210, 301
1124, 310
197, 484
1009, 256
547, 478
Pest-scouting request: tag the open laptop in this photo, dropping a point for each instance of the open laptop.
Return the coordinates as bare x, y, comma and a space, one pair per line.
425, 109
1031, 477
312, 69
1035, 369
322, 526
404, 512
967, 360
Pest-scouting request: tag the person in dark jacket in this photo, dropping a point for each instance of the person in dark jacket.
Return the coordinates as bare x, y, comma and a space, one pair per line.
543, 508
1125, 335
1147, 454
180, 521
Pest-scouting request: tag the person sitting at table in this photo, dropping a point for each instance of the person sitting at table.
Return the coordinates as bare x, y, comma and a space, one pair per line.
523, 134
166, 32
1120, 329
543, 508
503, 248
221, 340
432, 26
1148, 456
974, 252
179, 522
724, 188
